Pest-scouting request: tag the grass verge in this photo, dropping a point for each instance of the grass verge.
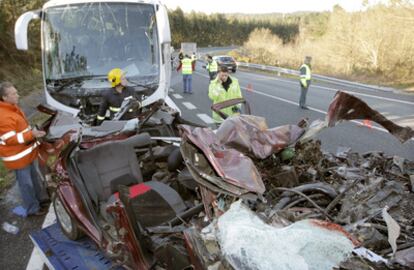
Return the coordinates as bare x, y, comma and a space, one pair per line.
6, 178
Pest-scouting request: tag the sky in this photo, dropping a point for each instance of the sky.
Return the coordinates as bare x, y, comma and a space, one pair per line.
262, 6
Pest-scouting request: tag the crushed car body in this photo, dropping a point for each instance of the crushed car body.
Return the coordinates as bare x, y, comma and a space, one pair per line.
163, 192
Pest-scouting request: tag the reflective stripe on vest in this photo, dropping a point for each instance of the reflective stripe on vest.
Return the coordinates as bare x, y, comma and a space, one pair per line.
213, 66
8, 135
21, 154
19, 135
114, 109
186, 66
306, 76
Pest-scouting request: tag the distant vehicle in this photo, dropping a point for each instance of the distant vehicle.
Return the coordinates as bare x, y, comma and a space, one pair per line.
226, 60
188, 48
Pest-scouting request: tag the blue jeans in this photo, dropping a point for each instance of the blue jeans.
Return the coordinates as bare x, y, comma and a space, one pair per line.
303, 92
187, 79
31, 188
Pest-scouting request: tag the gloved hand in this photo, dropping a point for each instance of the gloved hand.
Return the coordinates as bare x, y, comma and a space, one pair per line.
235, 109
303, 83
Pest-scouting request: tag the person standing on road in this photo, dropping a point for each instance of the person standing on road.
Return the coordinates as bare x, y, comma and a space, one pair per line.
19, 150
187, 68
222, 88
113, 98
305, 81
212, 67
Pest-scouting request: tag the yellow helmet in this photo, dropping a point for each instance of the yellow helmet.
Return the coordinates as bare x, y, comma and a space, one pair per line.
114, 76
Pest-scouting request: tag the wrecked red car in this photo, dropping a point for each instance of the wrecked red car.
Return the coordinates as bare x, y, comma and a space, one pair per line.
158, 191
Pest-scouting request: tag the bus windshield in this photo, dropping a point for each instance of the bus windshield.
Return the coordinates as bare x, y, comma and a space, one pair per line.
91, 39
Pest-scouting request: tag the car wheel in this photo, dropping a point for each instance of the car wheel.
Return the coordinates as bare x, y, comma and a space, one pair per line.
66, 222
234, 70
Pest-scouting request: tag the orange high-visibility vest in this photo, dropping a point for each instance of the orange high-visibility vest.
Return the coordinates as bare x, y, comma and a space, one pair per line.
18, 147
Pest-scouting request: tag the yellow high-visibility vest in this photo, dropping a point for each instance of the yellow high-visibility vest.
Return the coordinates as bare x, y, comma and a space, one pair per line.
217, 94
308, 75
186, 67
213, 66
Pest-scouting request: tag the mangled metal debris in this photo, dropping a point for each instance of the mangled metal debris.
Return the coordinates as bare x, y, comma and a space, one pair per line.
296, 206
348, 192
348, 107
369, 195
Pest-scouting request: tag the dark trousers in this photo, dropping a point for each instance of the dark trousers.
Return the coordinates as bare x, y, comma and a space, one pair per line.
303, 92
187, 81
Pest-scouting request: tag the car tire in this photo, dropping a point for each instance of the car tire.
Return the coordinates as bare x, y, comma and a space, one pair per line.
234, 70
67, 224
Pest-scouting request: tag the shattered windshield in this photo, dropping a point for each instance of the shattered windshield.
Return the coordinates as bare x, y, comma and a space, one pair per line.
91, 39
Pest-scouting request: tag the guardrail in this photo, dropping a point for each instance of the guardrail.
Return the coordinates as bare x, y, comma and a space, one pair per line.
314, 76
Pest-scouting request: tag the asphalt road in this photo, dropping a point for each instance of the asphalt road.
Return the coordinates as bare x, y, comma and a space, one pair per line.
276, 99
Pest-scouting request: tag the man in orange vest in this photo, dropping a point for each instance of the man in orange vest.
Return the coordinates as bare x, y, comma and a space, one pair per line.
18, 149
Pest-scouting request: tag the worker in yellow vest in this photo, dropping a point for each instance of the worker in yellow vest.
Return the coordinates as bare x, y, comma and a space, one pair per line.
187, 68
222, 88
305, 81
212, 67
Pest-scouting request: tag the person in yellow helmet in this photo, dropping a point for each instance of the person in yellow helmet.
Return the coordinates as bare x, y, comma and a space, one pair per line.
113, 98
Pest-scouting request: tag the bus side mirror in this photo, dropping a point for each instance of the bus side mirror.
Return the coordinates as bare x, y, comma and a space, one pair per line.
20, 28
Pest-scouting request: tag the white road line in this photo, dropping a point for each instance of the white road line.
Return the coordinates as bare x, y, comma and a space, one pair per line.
393, 117
35, 261
366, 95
349, 92
284, 100
178, 96
207, 119
282, 80
405, 122
311, 108
189, 105
330, 89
